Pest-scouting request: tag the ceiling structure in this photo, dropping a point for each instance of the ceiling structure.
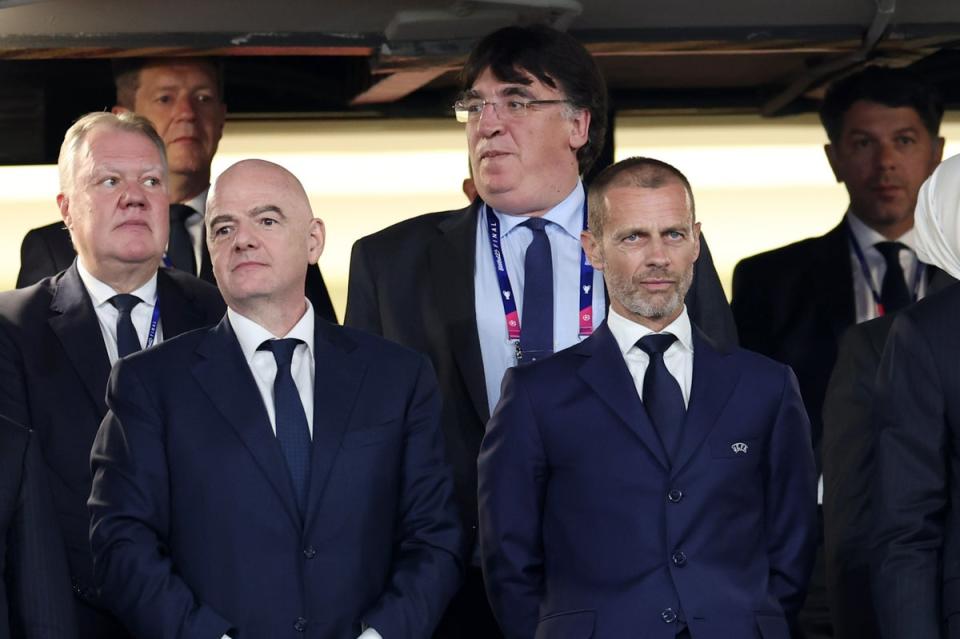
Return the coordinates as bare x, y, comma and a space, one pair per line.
377, 58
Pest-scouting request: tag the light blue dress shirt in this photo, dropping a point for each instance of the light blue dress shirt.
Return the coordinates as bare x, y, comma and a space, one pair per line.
497, 350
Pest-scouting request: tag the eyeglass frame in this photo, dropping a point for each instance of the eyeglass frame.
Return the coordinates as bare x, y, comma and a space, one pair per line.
463, 115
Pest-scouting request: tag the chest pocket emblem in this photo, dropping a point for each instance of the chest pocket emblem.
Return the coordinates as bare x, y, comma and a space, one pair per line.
739, 447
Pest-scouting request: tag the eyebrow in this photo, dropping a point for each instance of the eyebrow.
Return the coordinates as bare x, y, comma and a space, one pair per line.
254, 212
511, 89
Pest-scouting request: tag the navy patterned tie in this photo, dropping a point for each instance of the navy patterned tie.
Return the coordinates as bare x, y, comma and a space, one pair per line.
661, 392
536, 337
893, 290
293, 433
127, 339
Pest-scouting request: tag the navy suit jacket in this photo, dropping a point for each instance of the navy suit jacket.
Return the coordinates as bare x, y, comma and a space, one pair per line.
587, 530
195, 528
35, 600
53, 378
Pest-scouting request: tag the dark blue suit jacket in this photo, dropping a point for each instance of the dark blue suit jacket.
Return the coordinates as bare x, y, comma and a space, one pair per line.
588, 531
195, 529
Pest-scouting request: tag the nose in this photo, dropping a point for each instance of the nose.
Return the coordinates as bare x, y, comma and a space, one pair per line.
886, 156
244, 237
657, 255
185, 108
133, 195
489, 122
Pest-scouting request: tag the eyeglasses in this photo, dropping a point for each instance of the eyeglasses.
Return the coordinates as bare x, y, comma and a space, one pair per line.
471, 110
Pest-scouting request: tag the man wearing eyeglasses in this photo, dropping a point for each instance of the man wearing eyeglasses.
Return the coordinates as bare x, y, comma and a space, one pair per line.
504, 281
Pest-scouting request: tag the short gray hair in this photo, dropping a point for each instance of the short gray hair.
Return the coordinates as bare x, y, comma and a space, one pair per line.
76, 134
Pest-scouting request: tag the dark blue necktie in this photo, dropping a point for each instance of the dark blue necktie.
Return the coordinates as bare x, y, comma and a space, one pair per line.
536, 337
127, 340
661, 392
180, 246
893, 290
293, 433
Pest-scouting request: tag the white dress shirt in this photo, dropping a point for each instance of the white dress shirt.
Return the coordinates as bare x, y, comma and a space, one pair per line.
497, 351
678, 358
107, 314
864, 304
263, 364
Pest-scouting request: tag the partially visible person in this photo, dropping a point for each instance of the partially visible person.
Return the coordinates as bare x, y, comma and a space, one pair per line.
183, 99
644, 482
505, 279
59, 337
916, 519
275, 475
35, 600
794, 303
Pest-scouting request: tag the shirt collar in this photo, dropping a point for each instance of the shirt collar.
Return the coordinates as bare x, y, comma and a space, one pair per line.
199, 203
628, 333
251, 335
101, 292
568, 214
866, 237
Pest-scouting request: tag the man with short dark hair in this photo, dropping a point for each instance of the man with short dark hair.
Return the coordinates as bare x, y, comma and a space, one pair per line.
644, 482
504, 280
794, 303
59, 337
275, 475
183, 99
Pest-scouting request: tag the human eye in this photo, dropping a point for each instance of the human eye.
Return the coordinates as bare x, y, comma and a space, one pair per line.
221, 230
151, 181
675, 234
473, 106
861, 142
515, 107
109, 181
163, 98
268, 221
905, 140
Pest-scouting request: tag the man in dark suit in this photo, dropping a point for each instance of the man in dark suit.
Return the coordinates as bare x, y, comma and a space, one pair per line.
794, 303
59, 337
276, 473
34, 586
183, 99
644, 481
916, 522
534, 106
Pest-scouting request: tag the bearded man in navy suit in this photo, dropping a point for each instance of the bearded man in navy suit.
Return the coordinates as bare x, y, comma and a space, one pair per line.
645, 482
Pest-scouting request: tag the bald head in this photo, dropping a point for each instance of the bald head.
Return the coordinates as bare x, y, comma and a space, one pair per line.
262, 236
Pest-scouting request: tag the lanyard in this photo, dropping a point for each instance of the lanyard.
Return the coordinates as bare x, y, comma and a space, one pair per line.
511, 318
868, 278
154, 321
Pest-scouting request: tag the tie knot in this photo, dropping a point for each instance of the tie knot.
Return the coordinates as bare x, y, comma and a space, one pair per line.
282, 349
180, 212
656, 343
536, 224
124, 302
890, 250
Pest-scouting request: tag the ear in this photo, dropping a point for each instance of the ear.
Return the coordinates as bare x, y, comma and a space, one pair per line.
830, 151
696, 241
579, 129
63, 203
317, 237
938, 149
117, 110
592, 249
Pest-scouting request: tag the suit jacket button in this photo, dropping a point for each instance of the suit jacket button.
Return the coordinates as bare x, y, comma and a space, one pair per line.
300, 625
675, 495
679, 558
668, 615
309, 552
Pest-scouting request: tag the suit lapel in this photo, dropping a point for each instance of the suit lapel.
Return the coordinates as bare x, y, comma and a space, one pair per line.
451, 262
606, 373
75, 324
713, 383
178, 314
223, 374
337, 379
835, 285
